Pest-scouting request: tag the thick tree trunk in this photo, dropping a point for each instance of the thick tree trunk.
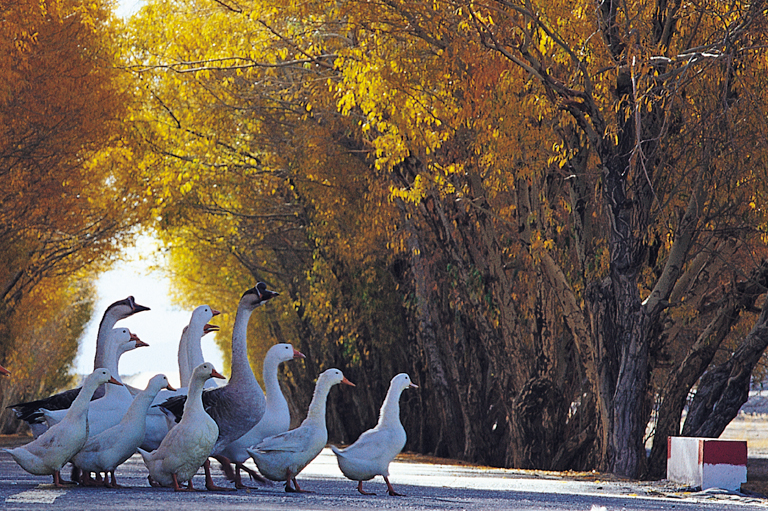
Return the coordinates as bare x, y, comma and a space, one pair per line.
679, 383
725, 388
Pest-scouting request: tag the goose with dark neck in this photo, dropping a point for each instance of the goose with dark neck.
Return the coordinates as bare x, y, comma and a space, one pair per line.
28, 412
239, 405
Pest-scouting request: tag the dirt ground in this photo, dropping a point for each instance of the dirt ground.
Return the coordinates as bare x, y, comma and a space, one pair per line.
754, 429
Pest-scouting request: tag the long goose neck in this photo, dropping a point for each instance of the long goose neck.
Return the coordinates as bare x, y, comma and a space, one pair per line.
111, 357
183, 359
240, 368
194, 396
271, 383
390, 410
139, 406
83, 399
194, 350
317, 406
106, 326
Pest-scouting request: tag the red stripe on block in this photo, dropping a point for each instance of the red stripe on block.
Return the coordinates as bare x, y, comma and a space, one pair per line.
728, 452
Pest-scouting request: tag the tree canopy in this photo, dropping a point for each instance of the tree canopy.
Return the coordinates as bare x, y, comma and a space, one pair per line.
66, 203
551, 214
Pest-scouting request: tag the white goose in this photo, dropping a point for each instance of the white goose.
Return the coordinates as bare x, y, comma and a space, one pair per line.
239, 405
184, 370
190, 355
108, 410
187, 446
282, 457
111, 448
277, 416
198, 327
29, 412
372, 453
190, 350
50, 451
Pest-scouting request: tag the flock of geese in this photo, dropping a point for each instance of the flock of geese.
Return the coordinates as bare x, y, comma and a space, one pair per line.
100, 425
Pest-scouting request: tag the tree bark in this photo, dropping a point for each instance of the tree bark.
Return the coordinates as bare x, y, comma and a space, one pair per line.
725, 388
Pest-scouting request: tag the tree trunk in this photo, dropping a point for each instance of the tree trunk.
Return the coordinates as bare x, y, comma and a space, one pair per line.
725, 388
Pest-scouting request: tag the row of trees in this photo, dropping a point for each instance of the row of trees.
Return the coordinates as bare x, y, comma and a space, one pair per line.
65, 199
551, 214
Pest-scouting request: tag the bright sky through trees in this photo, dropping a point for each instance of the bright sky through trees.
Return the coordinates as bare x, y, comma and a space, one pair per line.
160, 327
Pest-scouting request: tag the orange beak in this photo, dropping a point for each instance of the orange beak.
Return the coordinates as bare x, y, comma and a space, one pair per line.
210, 328
298, 354
139, 342
345, 381
114, 381
169, 387
4, 371
215, 312
216, 374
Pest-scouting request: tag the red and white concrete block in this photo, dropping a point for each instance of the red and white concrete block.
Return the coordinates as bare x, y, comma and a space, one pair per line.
707, 462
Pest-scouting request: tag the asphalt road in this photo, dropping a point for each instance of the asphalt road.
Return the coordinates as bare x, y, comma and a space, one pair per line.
427, 486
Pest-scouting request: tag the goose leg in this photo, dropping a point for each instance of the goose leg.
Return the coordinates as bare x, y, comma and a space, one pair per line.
226, 466
209, 484
87, 480
296, 488
360, 489
177, 487
58, 483
112, 484
75, 475
252, 473
391, 490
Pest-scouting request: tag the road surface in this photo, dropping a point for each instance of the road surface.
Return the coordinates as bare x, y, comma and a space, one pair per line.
427, 486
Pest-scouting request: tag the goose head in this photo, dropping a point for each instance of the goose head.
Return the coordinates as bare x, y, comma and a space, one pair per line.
402, 381
200, 318
125, 340
256, 296
99, 376
332, 377
125, 308
205, 371
158, 382
284, 352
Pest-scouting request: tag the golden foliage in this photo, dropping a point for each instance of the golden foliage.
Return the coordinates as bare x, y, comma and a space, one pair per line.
332, 148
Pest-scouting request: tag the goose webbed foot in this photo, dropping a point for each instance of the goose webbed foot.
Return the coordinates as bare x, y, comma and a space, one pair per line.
252, 473
209, 484
391, 489
363, 492
296, 488
178, 487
